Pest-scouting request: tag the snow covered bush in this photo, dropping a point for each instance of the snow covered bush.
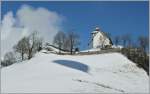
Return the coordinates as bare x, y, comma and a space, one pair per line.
9, 59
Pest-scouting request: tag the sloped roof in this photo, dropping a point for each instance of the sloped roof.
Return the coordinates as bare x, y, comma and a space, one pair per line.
104, 34
97, 29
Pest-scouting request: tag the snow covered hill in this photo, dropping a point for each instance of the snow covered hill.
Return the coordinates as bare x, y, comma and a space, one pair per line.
51, 73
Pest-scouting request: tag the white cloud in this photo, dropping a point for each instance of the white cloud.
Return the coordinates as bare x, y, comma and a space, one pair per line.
7, 25
28, 20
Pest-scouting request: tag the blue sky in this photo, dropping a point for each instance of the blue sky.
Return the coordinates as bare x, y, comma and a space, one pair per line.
117, 18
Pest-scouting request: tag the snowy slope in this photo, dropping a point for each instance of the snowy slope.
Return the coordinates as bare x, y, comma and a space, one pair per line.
45, 73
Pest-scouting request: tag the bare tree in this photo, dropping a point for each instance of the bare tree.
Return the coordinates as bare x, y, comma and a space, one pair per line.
59, 40
143, 42
39, 44
67, 44
126, 39
34, 43
29, 45
117, 40
129, 40
72, 40
22, 47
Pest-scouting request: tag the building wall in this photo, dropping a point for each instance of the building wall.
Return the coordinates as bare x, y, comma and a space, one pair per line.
99, 40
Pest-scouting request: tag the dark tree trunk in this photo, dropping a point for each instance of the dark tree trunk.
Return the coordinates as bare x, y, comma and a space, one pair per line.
71, 48
59, 49
30, 54
22, 56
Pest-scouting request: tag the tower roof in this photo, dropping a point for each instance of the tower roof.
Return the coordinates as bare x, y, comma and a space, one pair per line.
97, 29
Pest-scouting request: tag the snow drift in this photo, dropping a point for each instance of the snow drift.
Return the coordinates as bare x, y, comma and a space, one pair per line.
51, 73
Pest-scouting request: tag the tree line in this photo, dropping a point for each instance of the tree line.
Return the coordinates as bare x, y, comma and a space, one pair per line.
126, 40
29, 45
69, 41
136, 50
26, 48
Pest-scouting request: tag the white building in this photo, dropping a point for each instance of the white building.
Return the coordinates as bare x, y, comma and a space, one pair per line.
100, 39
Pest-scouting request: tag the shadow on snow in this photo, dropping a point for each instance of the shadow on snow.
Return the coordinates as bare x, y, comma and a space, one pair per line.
73, 64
